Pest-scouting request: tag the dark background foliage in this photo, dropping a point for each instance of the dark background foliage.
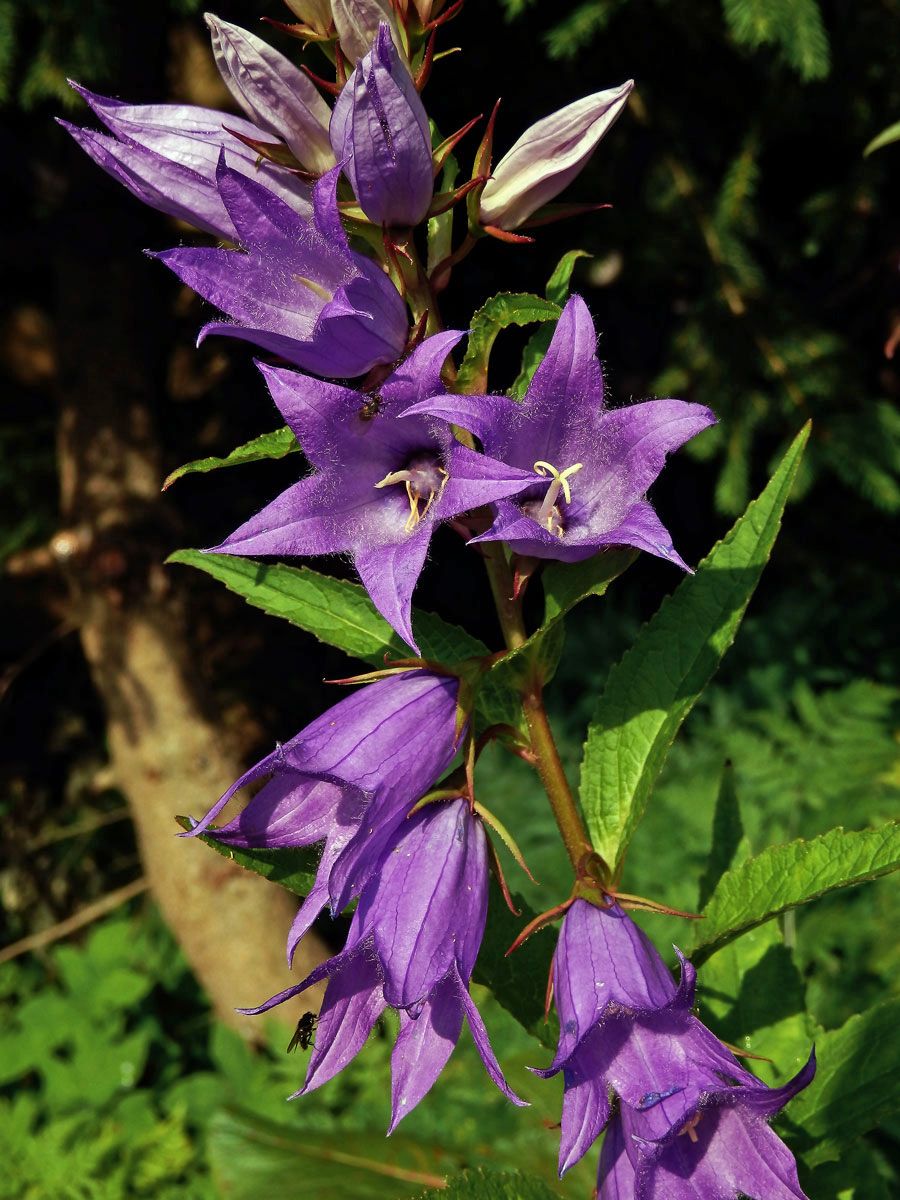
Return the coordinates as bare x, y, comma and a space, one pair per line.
749, 262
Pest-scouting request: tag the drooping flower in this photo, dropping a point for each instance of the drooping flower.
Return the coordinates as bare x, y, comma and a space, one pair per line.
598, 463
625, 1028
376, 753
548, 156
295, 287
379, 130
382, 480
275, 94
167, 154
412, 945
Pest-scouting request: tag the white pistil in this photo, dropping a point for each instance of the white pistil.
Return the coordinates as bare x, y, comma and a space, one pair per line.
546, 514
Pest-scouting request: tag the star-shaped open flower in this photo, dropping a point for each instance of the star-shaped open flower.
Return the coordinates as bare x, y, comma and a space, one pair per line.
382, 480
598, 463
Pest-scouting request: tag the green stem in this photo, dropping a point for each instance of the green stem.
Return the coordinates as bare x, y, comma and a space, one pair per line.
546, 756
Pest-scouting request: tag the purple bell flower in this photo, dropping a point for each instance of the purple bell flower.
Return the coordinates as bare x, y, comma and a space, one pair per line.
375, 753
548, 156
412, 945
167, 154
625, 1028
379, 130
295, 288
382, 480
598, 463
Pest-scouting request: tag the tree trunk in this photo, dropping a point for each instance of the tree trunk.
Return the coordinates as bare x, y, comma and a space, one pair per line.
167, 754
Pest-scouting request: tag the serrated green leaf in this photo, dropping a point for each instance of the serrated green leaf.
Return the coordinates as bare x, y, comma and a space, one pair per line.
728, 834
557, 291
269, 445
518, 982
857, 1082
340, 613
500, 312
654, 686
294, 868
784, 877
492, 1185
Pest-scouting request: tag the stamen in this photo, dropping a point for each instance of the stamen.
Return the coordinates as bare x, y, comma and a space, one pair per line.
548, 515
424, 478
690, 1127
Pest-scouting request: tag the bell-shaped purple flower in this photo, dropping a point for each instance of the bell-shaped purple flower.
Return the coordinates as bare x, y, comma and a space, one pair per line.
167, 154
548, 156
379, 130
275, 94
295, 287
382, 480
412, 945
598, 463
625, 1028
375, 753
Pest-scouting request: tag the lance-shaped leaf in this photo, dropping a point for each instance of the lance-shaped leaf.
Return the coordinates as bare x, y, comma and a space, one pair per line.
341, 614
268, 445
784, 877
557, 292
654, 686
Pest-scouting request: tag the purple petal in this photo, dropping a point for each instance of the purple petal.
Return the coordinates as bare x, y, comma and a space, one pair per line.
390, 573
481, 415
735, 1151
427, 904
352, 1004
479, 1034
293, 809
264, 767
422, 1048
380, 131
615, 1176
603, 958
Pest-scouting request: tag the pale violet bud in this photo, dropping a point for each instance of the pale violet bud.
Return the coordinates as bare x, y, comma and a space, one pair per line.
357, 21
380, 132
548, 156
274, 93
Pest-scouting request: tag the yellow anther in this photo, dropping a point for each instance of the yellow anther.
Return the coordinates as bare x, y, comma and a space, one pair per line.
560, 478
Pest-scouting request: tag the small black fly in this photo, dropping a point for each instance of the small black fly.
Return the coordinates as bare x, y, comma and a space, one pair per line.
303, 1034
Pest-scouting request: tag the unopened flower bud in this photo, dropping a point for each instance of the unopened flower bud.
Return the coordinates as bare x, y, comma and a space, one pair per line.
380, 131
357, 22
548, 156
315, 14
273, 93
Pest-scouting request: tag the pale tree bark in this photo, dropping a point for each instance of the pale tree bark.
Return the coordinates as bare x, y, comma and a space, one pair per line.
167, 753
